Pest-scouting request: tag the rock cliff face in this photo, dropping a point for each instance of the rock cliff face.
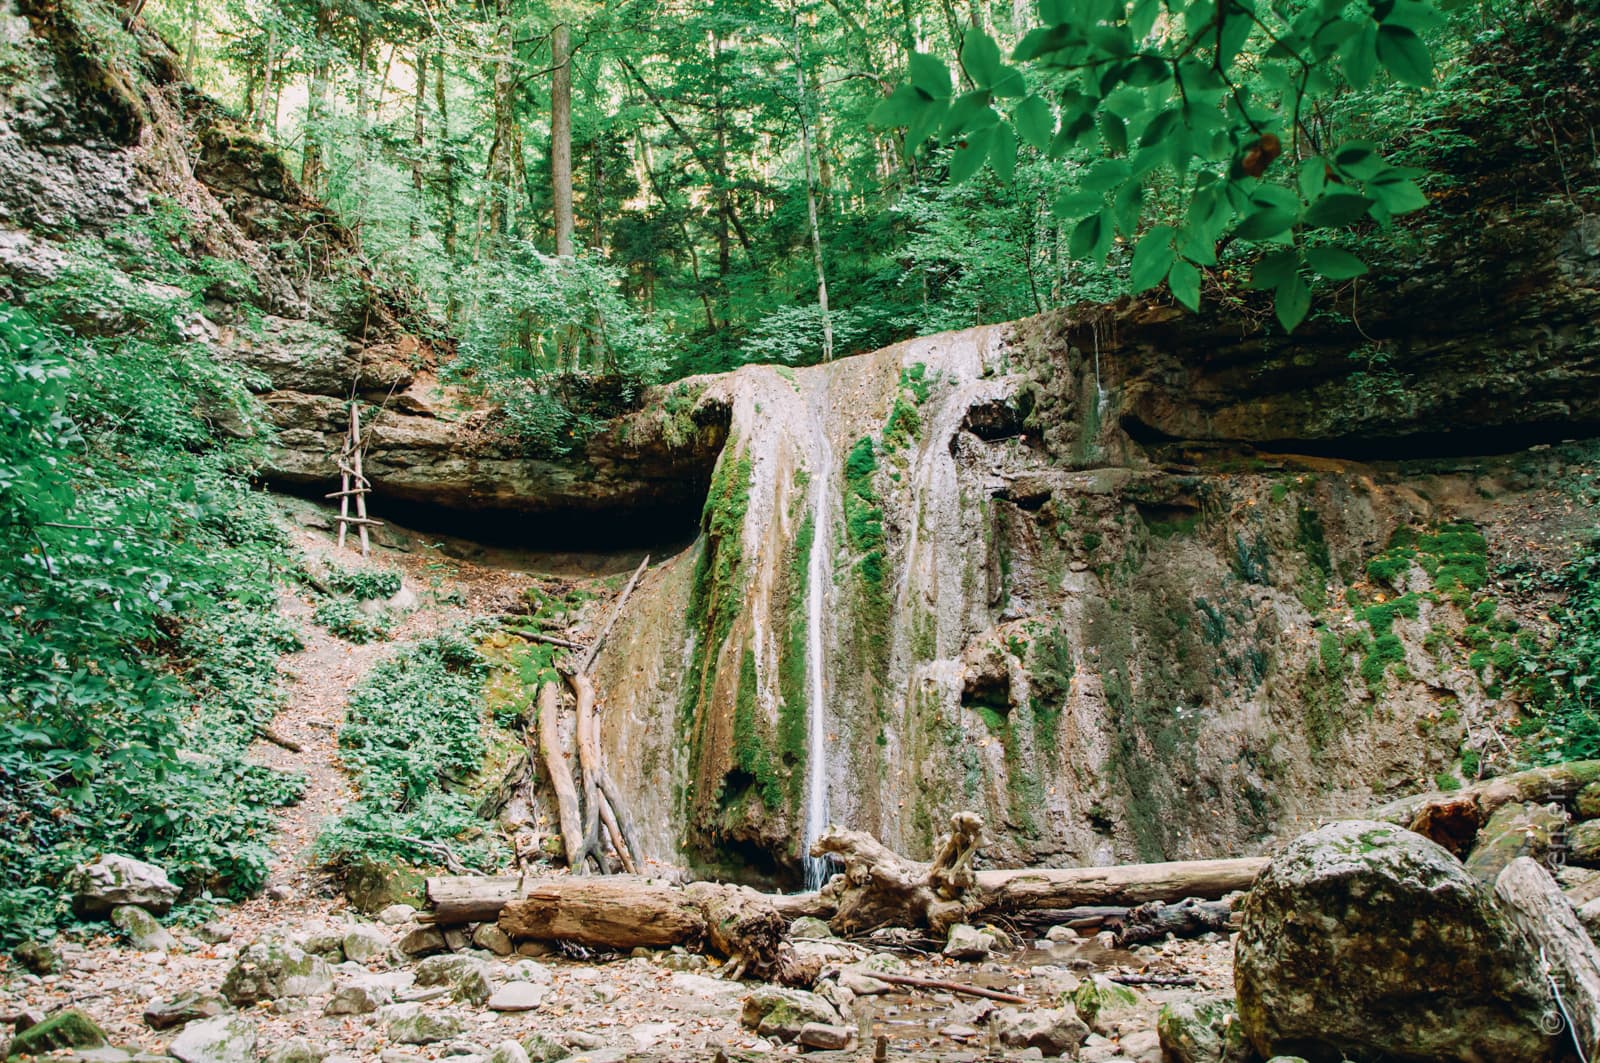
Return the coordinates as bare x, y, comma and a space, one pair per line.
1130, 582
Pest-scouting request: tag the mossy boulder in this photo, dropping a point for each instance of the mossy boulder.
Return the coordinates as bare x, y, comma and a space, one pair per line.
1363, 940
1583, 844
1100, 1002
272, 970
780, 1013
1512, 831
63, 1030
1202, 1030
224, 1039
372, 886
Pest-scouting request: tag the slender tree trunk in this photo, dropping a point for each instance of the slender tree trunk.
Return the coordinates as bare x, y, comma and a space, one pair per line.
363, 43
312, 163
258, 118
441, 101
192, 48
561, 136
505, 149
418, 132
811, 194
688, 239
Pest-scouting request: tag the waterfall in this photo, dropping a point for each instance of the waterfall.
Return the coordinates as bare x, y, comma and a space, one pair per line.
817, 582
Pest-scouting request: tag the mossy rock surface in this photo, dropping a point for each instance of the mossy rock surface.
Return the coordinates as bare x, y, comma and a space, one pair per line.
371, 886
63, 1030
1362, 940
1513, 831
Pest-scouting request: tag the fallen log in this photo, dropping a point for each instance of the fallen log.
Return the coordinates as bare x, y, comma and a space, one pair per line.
1127, 884
625, 912
560, 772
1452, 818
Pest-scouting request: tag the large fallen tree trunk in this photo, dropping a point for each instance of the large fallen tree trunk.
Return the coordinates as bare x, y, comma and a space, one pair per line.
626, 912
878, 888
1452, 818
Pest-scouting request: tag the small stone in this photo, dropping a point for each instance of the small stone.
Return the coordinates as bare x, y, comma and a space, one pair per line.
586, 1042
1583, 843
455, 939
508, 1052
358, 999
541, 1049
1060, 934
421, 941
957, 1032
296, 1050
824, 1036
225, 1039
408, 1024
1053, 1031
36, 956
144, 932
862, 985
213, 933
186, 1007
809, 926
1105, 940
517, 996
113, 880
279, 892
604, 994
968, 943
397, 915
535, 949
364, 944
647, 1035
65, 1029
491, 937
329, 944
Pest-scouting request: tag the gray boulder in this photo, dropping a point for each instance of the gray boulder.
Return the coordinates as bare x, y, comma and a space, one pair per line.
296, 1050
967, 943
1053, 1031
144, 931
272, 970
1514, 830
1364, 940
1202, 1030
781, 1013
186, 1007
113, 881
364, 943
225, 1039
360, 998
65, 1029
409, 1024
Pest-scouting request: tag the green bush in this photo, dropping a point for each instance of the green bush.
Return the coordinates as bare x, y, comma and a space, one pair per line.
137, 639
1559, 682
364, 584
414, 736
345, 619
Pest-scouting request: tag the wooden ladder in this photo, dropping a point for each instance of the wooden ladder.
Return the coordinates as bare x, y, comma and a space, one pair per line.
353, 483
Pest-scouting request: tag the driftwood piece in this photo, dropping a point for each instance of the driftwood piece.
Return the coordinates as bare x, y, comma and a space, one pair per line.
949, 987
586, 663
608, 819
1081, 917
560, 772
619, 810
263, 731
582, 685
742, 925
1536, 905
881, 888
1452, 818
1188, 918
454, 899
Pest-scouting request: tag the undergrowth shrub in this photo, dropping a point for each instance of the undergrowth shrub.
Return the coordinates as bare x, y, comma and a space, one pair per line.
1559, 682
137, 634
364, 584
345, 619
414, 737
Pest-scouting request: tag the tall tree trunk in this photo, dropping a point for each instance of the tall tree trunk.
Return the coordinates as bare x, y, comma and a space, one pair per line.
441, 101
506, 148
258, 117
363, 43
312, 164
724, 192
803, 102
192, 48
418, 132
561, 136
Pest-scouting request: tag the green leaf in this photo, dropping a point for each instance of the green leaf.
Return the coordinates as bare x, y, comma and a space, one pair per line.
1236, 27
1003, 155
1263, 223
901, 108
1115, 133
1034, 122
1086, 236
930, 75
1292, 301
1360, 55
1128, 206
980, 56
1337, 208
969, 155
968, 112
1075, 204
1151, 259
1104, 175
1398, 196
1184, 280
1334, 263
1272, 270
1312, 178
1404, 55
1041, 42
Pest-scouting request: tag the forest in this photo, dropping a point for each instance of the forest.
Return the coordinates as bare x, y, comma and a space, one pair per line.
722, 529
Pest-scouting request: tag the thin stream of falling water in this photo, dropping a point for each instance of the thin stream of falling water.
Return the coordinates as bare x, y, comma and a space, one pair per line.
817, 869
